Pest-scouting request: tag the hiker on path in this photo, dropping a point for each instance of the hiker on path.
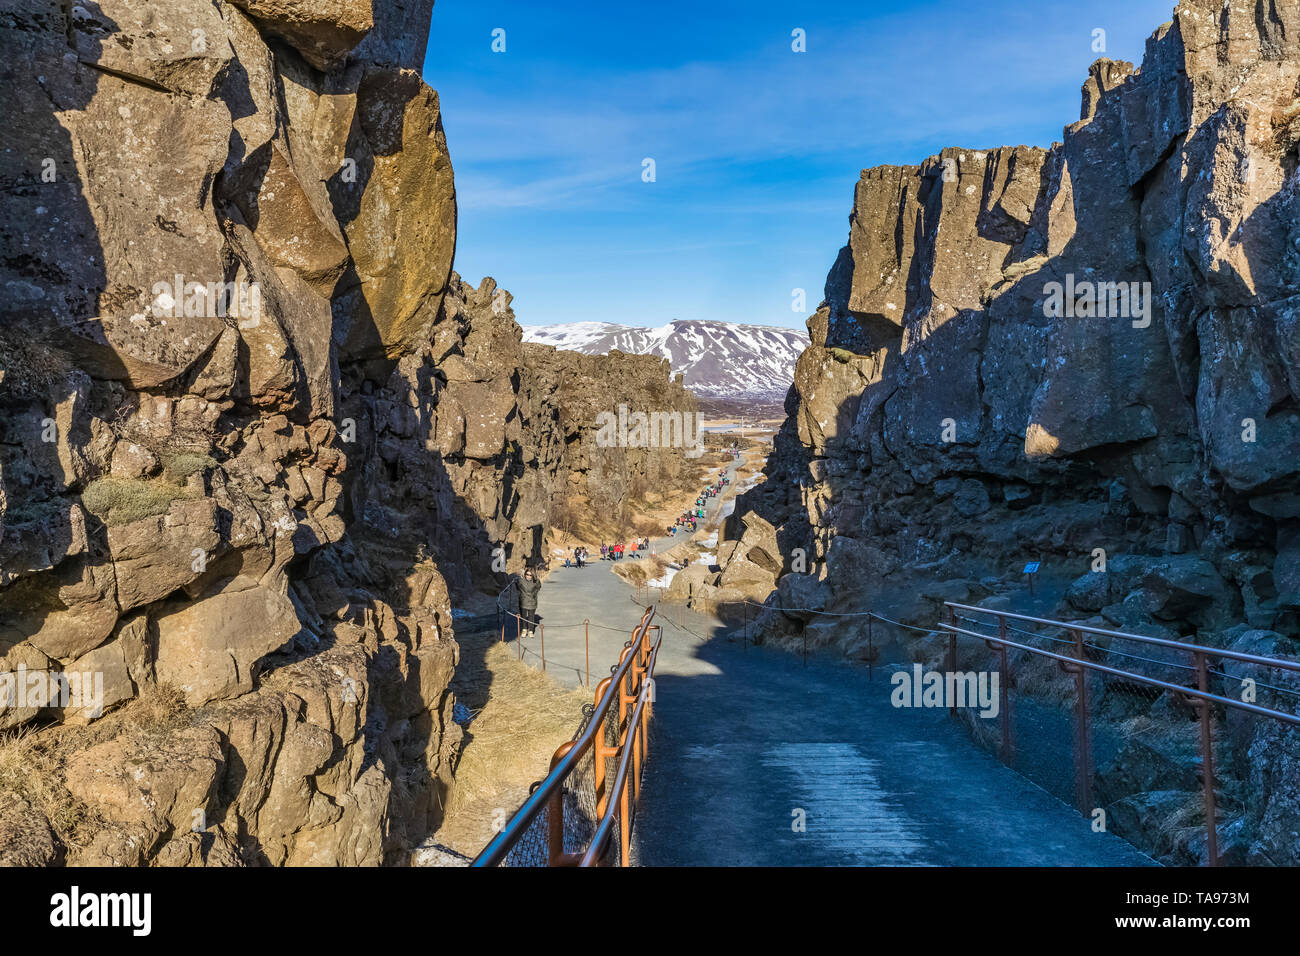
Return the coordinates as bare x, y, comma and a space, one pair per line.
528, 588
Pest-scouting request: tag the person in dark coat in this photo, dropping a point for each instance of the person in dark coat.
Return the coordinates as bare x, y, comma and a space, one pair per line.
528, 588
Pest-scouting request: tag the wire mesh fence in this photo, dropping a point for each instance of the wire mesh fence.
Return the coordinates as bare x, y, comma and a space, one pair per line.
570, 816
1132, 739
580, 806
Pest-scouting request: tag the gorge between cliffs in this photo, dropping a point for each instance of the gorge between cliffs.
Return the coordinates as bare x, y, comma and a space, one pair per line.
265, 454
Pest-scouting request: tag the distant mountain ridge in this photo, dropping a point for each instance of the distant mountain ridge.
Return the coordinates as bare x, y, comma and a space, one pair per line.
719, 360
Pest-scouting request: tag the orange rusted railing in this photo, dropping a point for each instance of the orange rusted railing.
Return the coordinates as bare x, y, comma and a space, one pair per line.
617, 733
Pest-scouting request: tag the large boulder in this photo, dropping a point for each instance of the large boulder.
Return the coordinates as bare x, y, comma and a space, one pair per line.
802, 596
25, 836
156, 556
207, 648
324, 33
148, 785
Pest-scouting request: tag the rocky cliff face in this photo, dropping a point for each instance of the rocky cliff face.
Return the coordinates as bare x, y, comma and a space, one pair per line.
202, 242
570, 394
476, 441
1029, 354
960, 409
255, 435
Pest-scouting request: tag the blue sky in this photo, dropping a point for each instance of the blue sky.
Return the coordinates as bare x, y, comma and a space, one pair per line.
756, 148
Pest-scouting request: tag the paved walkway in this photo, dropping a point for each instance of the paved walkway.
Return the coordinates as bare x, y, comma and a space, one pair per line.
748, 742
595, 592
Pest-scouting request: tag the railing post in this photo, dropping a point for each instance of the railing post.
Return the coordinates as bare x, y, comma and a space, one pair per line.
1207, 762
624, 711
1083, 761
624, 826
600, 753
586, 642
952, 658
555, 814
871, 649
541, 630
627, 738
634, 736
1008, 754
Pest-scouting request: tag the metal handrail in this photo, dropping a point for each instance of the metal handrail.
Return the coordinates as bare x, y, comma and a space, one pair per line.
598, 841
634, 727
1141, 678
1078, 664
1140, 638
501, 844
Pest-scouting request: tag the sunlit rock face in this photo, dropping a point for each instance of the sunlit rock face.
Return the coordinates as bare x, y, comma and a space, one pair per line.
257, 437
215, 216
1109, 322
1055, 355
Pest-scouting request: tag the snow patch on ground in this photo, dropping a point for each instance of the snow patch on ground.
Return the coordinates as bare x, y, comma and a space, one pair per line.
666, 579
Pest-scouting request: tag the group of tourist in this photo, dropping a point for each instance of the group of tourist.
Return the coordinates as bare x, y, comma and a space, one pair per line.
690, 519
577, 558
618, 550
529, 583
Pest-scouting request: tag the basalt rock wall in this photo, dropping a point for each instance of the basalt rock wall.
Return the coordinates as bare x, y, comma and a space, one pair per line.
1034, 353
478, 443
256, 437
1086, 356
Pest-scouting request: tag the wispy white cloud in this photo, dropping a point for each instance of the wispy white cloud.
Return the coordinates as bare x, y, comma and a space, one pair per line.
754, 145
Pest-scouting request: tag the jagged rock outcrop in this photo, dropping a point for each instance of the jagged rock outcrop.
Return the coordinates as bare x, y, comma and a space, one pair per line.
571, 394
475, 440
219, 214
255, 433
948, 368
1029, 354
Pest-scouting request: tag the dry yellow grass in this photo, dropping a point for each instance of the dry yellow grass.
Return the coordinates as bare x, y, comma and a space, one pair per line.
32, 761
119, 501
520, 717
640, 571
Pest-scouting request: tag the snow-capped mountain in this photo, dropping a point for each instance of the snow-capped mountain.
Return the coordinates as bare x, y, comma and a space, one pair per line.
719, 359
